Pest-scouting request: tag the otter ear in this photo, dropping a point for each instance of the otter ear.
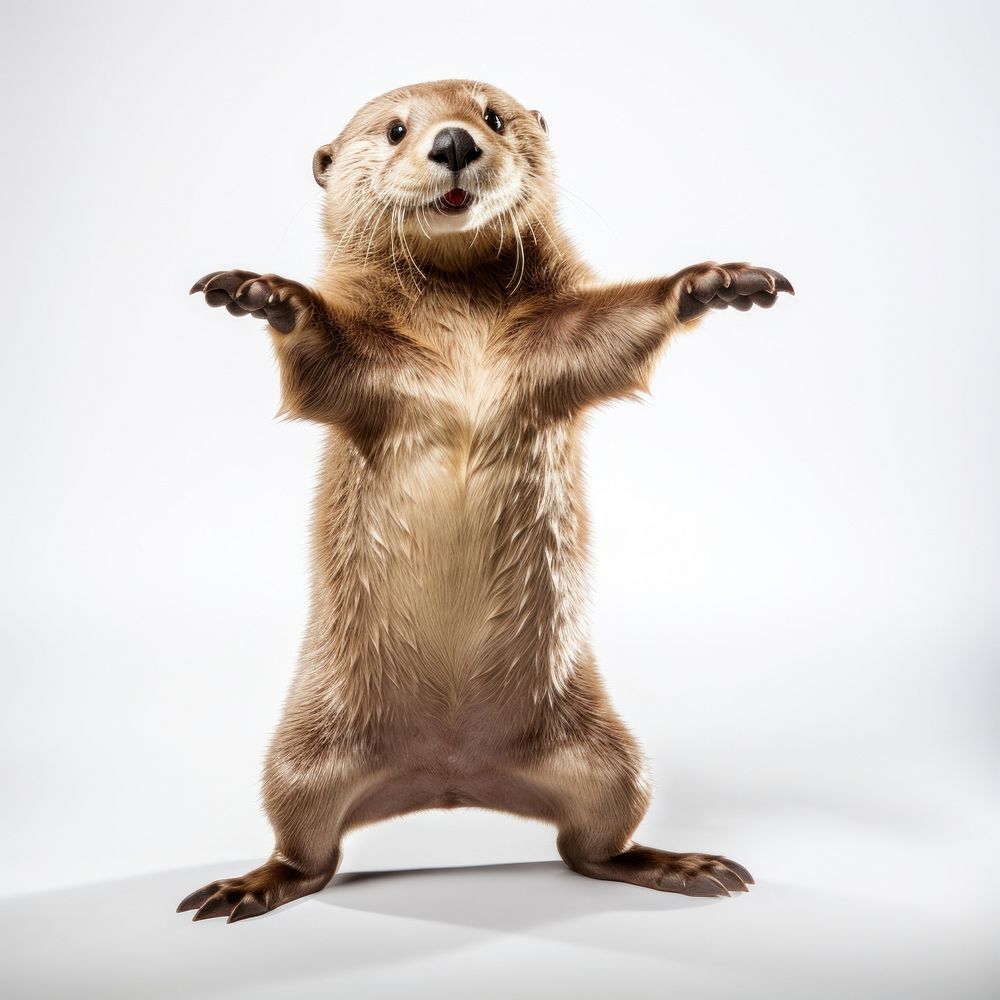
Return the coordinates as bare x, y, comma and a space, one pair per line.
540, 118
322, 159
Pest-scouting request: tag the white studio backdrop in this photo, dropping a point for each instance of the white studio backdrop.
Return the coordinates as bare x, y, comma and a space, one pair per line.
795, 538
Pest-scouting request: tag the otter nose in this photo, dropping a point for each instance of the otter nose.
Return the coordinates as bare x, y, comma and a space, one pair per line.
455, 147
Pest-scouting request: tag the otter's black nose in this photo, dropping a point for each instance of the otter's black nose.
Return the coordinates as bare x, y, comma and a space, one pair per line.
455, 147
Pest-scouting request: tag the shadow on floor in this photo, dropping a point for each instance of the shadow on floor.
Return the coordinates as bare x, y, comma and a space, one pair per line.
510, 898
123, 938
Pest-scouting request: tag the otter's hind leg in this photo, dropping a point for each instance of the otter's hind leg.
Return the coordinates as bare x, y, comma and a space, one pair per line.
307, 801
597, 798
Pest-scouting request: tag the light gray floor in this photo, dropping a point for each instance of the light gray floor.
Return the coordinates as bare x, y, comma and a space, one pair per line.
519, 930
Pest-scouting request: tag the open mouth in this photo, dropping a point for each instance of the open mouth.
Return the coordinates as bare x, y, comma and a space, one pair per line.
455, 201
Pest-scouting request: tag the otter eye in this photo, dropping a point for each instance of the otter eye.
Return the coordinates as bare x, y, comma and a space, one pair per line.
492, 119
396, 132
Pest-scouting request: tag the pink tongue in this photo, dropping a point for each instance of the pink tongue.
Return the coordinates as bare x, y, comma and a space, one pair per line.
455, 197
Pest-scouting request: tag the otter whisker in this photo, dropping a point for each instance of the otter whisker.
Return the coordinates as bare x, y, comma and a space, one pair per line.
372, 236
355, 223
344, 236
406, 248
421, 219
524, 255
586, 204
519, 256
311, 201
395, 260
527, 220
554, 244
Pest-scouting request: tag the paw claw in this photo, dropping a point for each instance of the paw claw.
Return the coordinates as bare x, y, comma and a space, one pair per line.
748, 282
782, 284
228, 281
199, 285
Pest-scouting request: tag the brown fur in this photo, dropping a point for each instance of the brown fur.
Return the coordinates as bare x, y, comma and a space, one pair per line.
446, 660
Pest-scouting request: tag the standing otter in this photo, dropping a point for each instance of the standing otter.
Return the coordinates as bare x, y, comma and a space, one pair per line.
453, 346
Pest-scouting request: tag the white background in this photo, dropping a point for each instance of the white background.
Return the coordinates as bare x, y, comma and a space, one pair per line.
795, 539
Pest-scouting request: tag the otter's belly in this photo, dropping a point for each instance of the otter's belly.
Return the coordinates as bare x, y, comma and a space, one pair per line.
451, 565
440, 553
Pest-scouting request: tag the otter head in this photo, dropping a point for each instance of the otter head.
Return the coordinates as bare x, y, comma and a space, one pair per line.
446, 172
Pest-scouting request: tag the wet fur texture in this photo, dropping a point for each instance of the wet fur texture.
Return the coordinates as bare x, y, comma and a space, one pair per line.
454, 360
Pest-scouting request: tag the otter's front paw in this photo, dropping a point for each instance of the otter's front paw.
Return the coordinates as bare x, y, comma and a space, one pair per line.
266, 296
718, 286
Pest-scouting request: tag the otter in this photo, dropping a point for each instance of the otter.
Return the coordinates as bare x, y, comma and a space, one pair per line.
452, 347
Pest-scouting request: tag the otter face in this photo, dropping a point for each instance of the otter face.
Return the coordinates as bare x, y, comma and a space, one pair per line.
434, 160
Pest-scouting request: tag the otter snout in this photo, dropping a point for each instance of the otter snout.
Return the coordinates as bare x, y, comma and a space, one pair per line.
455, 148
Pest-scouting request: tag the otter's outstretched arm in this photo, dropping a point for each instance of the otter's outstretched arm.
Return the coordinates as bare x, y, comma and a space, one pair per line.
326, 374
602, 342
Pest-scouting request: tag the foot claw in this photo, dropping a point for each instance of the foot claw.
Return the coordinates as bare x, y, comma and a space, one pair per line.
737, 869
196, 898
248, 906
705, 885
728, 878
218, 905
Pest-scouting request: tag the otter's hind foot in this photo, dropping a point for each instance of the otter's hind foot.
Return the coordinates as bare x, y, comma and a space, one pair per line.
689, 874
250, 895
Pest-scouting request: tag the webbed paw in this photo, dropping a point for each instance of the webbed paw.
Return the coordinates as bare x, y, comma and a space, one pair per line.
718, 286
281, 302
